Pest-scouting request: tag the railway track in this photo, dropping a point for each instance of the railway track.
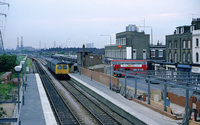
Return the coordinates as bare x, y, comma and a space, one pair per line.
95, 109
63, 113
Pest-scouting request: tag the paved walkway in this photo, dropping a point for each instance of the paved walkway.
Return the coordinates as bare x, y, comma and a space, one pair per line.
36, 109
130, 106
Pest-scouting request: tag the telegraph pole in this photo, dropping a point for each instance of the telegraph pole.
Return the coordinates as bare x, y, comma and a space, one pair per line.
1, 38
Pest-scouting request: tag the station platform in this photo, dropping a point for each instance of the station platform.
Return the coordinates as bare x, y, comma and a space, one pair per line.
36, 109
130, 109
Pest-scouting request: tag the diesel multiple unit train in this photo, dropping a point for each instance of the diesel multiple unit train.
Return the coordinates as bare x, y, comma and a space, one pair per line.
59, 68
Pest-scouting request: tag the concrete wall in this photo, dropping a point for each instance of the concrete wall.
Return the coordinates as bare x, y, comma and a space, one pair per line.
100, 77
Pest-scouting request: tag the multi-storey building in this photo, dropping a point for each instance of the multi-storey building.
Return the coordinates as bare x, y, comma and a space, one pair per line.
129, 45
196, 46
196, 51
180, 46
157, 52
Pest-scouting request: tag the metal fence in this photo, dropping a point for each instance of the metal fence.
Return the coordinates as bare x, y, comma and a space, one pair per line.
184, 80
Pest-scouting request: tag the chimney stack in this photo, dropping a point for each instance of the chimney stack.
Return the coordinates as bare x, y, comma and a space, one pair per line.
17, 43
21, 41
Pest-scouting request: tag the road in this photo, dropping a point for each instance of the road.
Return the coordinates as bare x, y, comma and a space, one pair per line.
141, 84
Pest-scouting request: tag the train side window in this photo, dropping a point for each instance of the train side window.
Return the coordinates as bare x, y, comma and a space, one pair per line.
64, 67
59, 67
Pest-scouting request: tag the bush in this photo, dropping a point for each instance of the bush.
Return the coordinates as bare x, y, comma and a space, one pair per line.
5, 89
7, 62
2, 112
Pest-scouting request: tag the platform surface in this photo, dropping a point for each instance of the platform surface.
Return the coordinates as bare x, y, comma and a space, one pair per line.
139, 111
36, 109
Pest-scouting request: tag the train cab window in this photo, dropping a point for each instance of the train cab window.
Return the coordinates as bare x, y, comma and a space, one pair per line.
64, 67
59, 67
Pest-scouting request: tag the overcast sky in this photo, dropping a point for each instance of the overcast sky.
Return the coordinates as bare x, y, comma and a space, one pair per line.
72, 23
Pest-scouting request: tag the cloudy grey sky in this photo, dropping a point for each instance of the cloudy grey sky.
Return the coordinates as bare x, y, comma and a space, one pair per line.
72, 23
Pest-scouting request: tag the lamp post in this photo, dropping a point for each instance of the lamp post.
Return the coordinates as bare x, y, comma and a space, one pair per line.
18, 69
22, 63
151, 32
110, 61
91, 57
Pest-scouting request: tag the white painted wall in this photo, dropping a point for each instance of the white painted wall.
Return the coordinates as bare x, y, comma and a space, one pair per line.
195, 49
128, 52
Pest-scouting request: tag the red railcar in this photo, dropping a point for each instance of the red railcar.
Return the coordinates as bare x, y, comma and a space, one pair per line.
129, 65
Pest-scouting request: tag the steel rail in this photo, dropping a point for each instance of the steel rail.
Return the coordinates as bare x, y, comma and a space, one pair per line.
98, 112
63, 112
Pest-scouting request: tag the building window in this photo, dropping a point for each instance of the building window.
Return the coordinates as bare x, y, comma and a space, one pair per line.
134, 53
175, 44
197, 57
152, 53
124, 41
160, 53
170, 45
197, 42
177, 30
189, 57
184, 44
144, 54
117, 41
183, 57
189, 44
170, 57
175, 57
191, 28
182, 30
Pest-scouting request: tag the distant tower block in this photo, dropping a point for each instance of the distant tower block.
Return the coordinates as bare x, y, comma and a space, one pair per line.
22, 42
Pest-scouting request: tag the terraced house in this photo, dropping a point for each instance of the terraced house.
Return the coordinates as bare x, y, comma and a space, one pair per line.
179, 46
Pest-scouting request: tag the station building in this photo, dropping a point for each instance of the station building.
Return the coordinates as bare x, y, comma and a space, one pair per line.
130, 44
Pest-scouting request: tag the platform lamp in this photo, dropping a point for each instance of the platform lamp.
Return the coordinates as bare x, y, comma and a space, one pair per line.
18, 69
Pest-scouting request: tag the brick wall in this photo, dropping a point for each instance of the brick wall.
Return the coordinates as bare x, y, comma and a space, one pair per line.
179, 100
198, 107
99, 77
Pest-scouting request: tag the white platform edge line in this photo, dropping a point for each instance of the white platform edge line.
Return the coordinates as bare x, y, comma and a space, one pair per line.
119, 104
48, 113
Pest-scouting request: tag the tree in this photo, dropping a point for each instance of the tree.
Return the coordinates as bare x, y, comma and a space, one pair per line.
7, 62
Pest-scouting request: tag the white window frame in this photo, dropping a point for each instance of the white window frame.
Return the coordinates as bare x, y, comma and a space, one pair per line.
184, 44
170, 57
159, 52
134, 54
144, 54
184, 60
175, 44
153, 51
175, 57
189, 42
189, 57
182, 30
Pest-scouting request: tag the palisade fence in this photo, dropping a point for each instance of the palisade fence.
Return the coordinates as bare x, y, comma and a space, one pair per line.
100, 77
